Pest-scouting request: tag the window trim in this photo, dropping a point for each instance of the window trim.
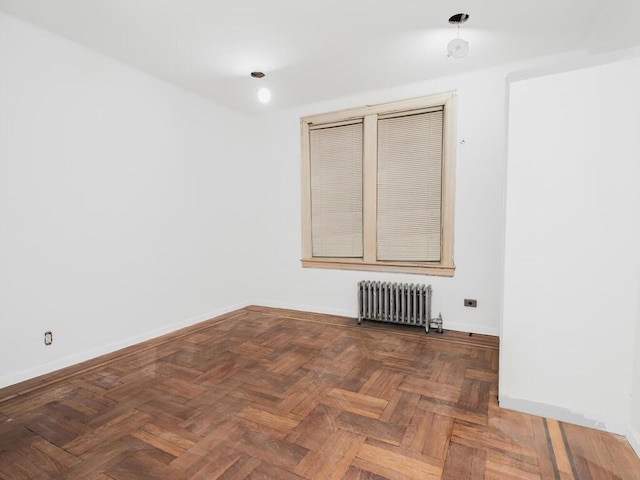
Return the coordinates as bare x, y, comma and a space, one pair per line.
370, 114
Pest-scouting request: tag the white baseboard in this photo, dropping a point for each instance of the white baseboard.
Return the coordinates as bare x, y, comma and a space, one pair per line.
633, 437
582, 419
471, 328
70, 360
459, 327
306, 308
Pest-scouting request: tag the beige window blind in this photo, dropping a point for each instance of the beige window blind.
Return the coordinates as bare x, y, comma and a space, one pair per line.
409, 187
336, 190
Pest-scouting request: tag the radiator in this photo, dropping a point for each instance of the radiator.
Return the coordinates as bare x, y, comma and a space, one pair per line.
403, 303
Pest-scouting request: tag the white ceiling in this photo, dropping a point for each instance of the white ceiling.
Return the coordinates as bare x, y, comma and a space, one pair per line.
310, 50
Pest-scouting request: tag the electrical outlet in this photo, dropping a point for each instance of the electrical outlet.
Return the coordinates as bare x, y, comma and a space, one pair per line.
470, 302
48, 338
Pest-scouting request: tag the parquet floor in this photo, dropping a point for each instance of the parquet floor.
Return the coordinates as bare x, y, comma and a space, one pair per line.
274, 394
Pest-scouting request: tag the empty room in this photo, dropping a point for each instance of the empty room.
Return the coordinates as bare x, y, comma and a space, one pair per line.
319, 240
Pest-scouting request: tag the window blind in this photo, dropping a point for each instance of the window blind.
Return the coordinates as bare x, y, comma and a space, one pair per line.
336, 191
409, 187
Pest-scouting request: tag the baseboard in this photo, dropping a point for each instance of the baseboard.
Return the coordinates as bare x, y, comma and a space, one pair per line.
305, 308
74, 359
633, 437
471, 328
457, 326
582, 419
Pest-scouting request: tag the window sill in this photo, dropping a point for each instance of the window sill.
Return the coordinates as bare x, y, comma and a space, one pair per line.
395, 267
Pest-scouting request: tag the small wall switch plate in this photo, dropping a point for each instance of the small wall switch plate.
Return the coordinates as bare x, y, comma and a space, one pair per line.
470, 302
48, 338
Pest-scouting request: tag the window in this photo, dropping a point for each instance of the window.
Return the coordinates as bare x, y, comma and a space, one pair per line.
377, 186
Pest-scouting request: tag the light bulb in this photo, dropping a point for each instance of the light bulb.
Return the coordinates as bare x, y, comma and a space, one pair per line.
264, 95
457, 48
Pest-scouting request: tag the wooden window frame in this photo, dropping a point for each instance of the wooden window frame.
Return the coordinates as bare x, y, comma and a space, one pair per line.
370, 114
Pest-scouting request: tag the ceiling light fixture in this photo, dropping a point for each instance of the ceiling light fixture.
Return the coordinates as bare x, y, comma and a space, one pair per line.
264, 94
458, 48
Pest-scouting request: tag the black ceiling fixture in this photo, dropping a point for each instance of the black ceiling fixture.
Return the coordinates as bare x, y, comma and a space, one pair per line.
459, 18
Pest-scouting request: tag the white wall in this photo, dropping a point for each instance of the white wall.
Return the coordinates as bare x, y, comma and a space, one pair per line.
123, 204
479, 223
633, 433
572, 262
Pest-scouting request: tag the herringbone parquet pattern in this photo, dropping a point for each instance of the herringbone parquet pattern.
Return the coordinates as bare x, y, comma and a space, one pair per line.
274, 394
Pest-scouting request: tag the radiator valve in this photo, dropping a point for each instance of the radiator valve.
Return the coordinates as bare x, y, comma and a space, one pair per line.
436, 323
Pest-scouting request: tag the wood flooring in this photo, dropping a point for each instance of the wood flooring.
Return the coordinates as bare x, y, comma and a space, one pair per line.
275, 394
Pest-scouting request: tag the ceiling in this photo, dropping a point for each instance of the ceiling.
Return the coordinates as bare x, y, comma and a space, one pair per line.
310, 50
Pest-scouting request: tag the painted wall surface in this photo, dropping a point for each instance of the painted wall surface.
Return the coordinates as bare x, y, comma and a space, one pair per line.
572, 262
479, 223
123, 204
633, 433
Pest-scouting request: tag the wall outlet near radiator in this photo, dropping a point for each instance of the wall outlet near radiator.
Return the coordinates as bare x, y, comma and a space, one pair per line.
48, 338
470, 302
